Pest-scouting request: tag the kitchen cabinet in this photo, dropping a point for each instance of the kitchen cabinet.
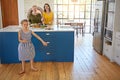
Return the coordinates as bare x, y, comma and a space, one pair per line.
108, 50
112, 32
46, 53
117, 48
9, 51
117, 32
9, 9
60, 47
0, 47
109, 30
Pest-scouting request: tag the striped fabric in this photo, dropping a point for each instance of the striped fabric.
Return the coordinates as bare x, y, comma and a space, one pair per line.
26, 51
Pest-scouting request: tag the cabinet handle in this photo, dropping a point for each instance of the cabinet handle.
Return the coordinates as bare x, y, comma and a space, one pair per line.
48, 53
47, 33
106, 49
118, 44
117, 56
48, 42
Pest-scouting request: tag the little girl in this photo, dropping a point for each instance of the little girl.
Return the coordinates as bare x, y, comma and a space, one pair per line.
26, 48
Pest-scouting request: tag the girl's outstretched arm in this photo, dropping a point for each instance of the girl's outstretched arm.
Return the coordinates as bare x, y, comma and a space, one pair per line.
39, 38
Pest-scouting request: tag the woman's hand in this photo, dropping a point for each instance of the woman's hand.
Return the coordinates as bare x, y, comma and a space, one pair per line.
44, 43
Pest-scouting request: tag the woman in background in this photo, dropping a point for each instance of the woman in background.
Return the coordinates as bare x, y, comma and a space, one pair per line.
48, 15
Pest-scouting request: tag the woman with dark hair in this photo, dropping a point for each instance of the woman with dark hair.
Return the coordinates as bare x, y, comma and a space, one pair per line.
48, 15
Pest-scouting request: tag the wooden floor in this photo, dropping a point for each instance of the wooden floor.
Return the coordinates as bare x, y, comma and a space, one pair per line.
87, 65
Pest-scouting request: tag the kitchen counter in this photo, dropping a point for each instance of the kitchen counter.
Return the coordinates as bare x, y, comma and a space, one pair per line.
60, 44
16, 28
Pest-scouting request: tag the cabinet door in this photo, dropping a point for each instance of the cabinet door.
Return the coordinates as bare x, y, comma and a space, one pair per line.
1, 48
10, 47
108, 50
117, 51
60, 46
65, 46
45, 53
9, 12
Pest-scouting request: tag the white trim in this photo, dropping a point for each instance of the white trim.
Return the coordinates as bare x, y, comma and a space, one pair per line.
20, 10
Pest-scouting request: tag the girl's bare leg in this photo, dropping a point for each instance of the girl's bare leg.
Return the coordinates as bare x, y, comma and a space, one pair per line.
32, 67
23, 68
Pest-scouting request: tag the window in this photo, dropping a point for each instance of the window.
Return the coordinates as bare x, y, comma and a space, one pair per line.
77, 10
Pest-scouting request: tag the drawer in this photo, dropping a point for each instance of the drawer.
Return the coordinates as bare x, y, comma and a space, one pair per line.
107, 51
118, 35
45, 56
117, 42
117, 59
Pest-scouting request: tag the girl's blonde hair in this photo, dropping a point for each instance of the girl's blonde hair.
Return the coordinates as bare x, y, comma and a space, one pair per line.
24, 20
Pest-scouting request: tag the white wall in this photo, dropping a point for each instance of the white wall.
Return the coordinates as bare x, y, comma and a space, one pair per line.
21, 10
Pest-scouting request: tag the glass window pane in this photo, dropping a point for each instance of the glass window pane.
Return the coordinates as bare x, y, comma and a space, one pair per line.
88, 7
81, 14
82, 20
65, 20
74, 2
55, 16
77, 15
55, 1
59, 14
60, 7
65, 7
87, 15
77, 11
71, 8
71, 1
65, 1
82, 7
82, 1
88, 2
93, 7
76, 20
77, 8
71, 15
65, 14
93, 1
60, 21
59, 1
55, 8
87, 21
93, 14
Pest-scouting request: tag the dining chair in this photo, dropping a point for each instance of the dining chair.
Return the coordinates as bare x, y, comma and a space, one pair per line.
81, 28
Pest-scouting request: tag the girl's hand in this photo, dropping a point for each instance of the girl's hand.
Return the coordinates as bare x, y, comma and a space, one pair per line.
24, 41
44, 43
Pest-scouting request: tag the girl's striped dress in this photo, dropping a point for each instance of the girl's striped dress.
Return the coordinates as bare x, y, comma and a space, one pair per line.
26, 51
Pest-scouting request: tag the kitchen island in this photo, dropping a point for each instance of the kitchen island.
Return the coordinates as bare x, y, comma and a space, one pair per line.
60, 44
